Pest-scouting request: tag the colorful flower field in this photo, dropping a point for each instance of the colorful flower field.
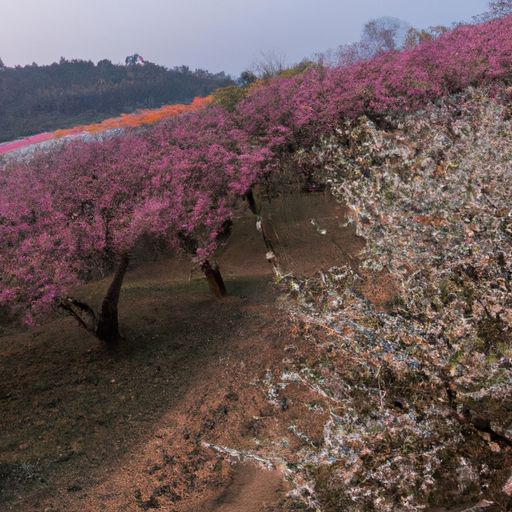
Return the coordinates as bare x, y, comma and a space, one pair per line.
137, 119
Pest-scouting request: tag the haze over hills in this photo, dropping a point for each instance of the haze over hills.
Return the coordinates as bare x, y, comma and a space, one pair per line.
227, 35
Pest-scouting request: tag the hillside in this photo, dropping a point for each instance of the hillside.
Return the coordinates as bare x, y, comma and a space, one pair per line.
366, 365
36, 98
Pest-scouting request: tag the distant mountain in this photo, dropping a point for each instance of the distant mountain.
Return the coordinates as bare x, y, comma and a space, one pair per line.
36, 98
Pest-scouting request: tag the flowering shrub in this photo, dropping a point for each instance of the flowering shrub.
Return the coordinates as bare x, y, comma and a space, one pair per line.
64, 212
318, 99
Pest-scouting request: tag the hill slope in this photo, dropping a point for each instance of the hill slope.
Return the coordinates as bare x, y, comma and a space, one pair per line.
376, 377
35, 98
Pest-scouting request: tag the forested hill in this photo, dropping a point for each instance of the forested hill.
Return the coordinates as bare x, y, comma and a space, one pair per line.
36, 98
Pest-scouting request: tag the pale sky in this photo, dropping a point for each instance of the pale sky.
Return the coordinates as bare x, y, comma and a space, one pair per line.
216, 35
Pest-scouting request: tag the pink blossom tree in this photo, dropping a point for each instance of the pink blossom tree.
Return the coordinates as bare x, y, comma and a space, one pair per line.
205, 165
68, 216
73, 213
289, 112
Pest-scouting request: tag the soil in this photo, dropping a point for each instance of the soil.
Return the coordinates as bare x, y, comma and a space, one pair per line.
130, 429
251, 490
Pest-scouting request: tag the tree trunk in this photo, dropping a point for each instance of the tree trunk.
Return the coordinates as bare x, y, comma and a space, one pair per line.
214, 278
107, 329
251, 201
271, 254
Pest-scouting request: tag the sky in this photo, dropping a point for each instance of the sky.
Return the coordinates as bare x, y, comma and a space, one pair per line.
218, 35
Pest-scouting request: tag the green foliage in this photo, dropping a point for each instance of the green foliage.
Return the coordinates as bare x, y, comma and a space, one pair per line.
297, 69
494, 334
229, 97
248, 78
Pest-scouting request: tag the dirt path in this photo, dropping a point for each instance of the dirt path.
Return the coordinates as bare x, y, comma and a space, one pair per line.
96, 431
251, 490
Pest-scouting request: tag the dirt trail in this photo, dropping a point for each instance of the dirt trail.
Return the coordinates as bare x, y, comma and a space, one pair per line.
252, 490
125, 431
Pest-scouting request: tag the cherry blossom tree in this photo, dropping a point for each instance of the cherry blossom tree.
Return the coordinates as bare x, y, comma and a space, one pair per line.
69, 216
78, 211
205, 165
